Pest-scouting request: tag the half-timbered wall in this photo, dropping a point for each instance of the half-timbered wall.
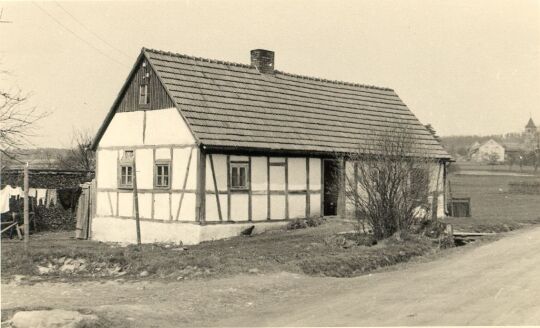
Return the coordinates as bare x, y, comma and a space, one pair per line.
157, 135
279, 188
436, 188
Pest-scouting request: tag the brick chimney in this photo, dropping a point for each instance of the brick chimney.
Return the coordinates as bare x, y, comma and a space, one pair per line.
263, 60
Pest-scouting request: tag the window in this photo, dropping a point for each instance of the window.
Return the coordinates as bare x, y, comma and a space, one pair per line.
239, 176
125, 174
162, 174
143, 94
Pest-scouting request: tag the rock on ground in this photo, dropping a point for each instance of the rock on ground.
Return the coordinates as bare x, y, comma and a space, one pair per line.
52, 319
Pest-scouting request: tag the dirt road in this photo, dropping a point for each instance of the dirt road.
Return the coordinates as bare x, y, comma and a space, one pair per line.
493, 284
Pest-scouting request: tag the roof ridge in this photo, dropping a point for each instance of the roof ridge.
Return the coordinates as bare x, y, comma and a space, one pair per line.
312, 78
304, 77
203, 59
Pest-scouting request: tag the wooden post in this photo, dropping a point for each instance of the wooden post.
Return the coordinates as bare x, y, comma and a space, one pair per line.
200, 199
136, 203
26, 218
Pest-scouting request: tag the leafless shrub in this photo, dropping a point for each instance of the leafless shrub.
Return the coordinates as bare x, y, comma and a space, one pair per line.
388, 183
17, 122
79, 156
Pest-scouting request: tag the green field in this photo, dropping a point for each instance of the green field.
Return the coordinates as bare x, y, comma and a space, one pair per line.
473, 166
494, 209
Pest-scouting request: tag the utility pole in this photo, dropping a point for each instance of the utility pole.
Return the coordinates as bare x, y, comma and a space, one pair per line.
136, 202
26, 219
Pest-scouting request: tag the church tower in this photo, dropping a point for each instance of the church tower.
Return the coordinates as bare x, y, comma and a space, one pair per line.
531, 135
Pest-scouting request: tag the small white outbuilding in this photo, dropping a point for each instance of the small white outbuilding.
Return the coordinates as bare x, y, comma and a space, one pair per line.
219, 146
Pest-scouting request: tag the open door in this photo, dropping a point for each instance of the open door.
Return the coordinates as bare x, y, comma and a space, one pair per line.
330, 187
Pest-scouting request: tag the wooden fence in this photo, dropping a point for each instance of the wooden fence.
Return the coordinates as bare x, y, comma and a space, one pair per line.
86, 209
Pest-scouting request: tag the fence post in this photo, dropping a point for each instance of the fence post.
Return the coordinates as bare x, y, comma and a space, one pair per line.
25, 206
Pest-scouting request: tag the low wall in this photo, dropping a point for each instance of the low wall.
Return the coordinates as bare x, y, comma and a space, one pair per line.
122, 230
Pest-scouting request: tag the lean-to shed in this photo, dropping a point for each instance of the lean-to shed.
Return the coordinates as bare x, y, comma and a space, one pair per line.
219, 146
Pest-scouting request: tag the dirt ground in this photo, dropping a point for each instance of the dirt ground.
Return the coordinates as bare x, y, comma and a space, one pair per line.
495, 283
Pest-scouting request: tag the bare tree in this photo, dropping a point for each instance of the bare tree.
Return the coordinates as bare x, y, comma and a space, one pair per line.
388, 183
79, 156
17, 122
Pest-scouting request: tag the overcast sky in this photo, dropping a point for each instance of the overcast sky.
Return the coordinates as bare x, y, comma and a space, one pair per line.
466, 67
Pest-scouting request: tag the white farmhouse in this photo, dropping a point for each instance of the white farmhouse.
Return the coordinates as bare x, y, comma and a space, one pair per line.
489, 151
219, 146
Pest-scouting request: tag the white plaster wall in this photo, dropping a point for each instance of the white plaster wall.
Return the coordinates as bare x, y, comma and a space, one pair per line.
212, 213
179, 167
111, 229
277, 177
239, 158
107, 168
239, 206
277, 159
315, 205
220, 169
297, 173
145, 205
125, 204
161, 206
163, 153
314, 174
277, 207
106, 203
297, 206
145, 168
187, 212
166, 126
259, 179
125, 129
163, 126
259, 207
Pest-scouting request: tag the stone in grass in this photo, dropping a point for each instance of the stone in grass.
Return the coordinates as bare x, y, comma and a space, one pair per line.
53, 319
144, 274
253, 271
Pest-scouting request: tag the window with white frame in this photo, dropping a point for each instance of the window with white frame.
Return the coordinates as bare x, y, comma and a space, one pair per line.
162, 174
125, 170
143, 94
239, 176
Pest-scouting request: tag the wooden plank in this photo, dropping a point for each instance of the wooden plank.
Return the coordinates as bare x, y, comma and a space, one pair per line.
200, 209
144, 127
356, 199
250, 200
308, 205
286, 187
322, 187
215, 186
268, 208
228, 187
171, 155
184, 184
136, 202
148, 146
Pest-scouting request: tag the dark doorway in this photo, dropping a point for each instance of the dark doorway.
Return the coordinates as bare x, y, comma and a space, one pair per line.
330, 185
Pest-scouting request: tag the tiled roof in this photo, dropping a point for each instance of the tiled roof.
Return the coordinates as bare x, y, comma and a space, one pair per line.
233, 105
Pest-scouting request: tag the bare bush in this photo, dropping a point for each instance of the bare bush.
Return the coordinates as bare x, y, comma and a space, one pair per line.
80, 156
17, 122
388, 183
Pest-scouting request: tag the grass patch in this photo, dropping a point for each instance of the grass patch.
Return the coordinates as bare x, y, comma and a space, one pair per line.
298, 251
494, 207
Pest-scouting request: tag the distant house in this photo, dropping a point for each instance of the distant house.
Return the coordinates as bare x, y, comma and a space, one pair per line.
218, 147
489, 151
